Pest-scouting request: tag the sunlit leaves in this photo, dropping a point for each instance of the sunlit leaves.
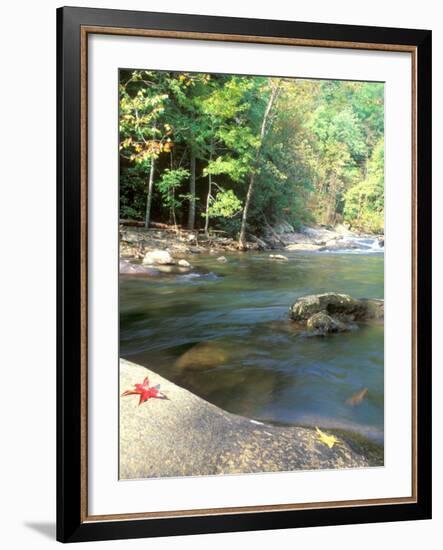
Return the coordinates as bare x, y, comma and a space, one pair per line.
142, 104
224, 205
364, 202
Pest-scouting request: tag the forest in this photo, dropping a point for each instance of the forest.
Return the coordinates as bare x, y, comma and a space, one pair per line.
238, 153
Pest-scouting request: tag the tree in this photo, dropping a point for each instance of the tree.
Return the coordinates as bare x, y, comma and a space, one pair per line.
364, 203
188, 92
225, 204
142, 135
284, 183
339, 144
275, 87
170, 181
229, 143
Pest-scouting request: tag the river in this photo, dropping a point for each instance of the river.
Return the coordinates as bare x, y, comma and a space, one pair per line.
256, 364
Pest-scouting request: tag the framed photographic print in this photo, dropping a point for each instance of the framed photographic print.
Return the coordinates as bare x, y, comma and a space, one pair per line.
244, 271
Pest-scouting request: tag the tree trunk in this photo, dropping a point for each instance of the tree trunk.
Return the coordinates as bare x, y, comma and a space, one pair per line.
191, 213
174, 218
208, 201
208, 198
172, 212
244, 221
149, 196
332, 201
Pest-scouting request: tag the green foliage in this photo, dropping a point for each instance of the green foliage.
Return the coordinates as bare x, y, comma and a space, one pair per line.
132, 193
364, 202
229, 110
130, 213
224, 205
339, 147
170, 181
142, 135
321, 159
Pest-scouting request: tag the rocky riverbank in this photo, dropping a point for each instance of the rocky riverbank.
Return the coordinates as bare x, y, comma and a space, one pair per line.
135, 242
320, 238
185, 435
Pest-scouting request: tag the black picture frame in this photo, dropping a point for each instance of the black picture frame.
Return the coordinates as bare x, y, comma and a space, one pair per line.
72, 526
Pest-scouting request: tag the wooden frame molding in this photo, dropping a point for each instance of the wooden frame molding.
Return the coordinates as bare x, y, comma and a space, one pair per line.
85, 32
281, 41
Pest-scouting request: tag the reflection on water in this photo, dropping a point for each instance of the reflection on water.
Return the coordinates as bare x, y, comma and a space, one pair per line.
226, 337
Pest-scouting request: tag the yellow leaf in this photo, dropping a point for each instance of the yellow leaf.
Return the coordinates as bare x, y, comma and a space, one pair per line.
329, 440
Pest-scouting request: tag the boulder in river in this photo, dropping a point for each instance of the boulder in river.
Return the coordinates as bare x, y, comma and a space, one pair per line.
333, 312
279, 257
184, 263
222, 259
321, 323
158, 257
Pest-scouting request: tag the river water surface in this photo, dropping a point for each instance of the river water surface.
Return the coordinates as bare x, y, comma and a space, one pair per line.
224, 334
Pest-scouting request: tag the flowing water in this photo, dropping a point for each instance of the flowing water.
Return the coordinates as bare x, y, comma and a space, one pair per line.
223, 333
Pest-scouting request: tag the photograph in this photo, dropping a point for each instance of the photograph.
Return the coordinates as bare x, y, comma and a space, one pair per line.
251, 287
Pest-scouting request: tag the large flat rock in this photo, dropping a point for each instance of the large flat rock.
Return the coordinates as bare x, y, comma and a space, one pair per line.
187, 436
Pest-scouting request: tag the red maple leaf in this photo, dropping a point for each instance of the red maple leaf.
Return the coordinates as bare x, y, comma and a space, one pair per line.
145, 391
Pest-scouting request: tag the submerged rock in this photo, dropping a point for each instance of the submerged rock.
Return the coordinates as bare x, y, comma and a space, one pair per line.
222, 259
202, 356
199, 277
158, 257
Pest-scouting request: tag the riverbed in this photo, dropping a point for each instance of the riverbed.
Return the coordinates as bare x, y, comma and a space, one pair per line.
222, 332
